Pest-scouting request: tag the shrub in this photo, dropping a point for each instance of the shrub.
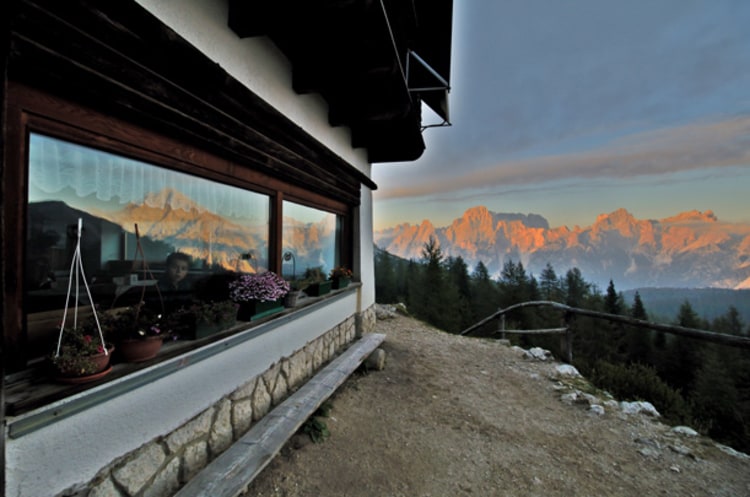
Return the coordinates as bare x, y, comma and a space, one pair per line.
639, 382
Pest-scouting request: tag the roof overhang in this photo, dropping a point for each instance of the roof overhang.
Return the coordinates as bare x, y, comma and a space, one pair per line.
373, 61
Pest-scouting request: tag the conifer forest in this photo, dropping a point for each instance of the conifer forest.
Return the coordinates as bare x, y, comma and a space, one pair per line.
690, 382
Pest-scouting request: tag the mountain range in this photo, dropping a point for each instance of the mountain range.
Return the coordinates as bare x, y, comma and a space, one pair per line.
691, 249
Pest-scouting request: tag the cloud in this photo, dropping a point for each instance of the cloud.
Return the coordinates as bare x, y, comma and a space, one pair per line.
697, 146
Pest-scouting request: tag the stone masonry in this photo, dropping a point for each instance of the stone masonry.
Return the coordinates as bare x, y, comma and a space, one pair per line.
160, 467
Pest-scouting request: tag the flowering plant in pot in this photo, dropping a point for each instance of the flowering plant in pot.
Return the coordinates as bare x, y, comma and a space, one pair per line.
138, 331
211, 316
341, 276
252, 290
317, 284
81, 356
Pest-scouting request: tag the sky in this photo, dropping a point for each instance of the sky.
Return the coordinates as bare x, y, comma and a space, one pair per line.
572, 108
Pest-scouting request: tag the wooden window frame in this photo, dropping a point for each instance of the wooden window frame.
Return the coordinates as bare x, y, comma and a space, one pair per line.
33, 111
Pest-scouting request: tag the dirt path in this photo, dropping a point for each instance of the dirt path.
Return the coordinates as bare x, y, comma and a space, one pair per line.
454, 416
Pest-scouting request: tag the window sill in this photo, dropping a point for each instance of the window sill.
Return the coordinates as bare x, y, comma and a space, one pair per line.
36, 401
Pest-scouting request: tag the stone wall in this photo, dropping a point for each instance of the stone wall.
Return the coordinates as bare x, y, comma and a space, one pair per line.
366, 321
161, 466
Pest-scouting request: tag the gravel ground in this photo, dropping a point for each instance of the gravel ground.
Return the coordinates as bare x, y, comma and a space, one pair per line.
458, 416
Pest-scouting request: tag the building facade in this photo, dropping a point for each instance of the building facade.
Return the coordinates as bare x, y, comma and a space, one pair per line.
239, 135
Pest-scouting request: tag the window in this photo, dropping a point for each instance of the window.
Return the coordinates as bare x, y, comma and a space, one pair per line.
189, 228
311, 239
220, 210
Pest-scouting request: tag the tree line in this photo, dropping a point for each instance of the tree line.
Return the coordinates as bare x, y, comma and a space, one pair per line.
703, 385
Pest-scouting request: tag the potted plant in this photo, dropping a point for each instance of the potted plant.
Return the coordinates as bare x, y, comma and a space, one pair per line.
210, 317
295, 290
340, 276
258, 294
81, 357
137, 330
317, 284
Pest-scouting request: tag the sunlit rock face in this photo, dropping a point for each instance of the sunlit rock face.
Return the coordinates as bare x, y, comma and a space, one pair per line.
690, 249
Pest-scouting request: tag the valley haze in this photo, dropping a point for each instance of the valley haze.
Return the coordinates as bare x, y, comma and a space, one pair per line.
692, 249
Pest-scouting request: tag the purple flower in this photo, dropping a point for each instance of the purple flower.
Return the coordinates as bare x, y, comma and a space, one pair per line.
264, 287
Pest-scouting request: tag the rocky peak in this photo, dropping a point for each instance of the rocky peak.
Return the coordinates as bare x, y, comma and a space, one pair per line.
693, 216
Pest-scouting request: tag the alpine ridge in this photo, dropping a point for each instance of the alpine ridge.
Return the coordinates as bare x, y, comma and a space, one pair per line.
689, 249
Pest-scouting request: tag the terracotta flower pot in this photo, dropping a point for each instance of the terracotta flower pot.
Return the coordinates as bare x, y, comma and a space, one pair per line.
100, 367
140, 349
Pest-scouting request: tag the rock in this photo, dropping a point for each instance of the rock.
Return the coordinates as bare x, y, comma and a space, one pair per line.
566, 371
569, 398
675, 468
649, 452
538, 354
685, 430
734, 453
376, 360
386, 311
588, 399
596, 409
648, 441
639, 407
680, 449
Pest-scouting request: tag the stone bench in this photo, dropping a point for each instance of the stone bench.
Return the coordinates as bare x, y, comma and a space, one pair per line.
229, 474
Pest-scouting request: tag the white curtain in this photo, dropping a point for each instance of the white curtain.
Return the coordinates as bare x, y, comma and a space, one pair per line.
55, 165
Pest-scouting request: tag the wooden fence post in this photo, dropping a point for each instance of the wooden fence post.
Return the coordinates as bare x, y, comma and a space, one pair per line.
501, 323
566, 340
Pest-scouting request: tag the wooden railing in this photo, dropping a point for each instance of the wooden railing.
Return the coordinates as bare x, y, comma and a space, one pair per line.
567, 334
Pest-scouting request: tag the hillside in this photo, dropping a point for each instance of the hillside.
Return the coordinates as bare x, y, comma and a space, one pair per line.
458, 416
690, 249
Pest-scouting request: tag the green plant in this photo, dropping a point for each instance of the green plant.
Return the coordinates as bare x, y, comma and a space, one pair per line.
78, 346
313, 275
315, 427
639, 382
340, 272
134, 322
210, 312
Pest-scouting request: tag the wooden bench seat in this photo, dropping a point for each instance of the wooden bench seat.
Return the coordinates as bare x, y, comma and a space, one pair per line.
229, 474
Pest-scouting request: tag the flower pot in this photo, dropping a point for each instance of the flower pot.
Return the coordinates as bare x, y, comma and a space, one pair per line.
291, 298
97, 367
318, 289
340, 282
256, 309
140, 349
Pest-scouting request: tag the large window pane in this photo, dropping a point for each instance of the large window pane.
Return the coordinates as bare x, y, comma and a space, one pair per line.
312, 237
217, 227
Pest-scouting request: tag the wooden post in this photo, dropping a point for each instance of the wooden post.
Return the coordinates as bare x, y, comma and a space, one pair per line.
501, 323
566, 340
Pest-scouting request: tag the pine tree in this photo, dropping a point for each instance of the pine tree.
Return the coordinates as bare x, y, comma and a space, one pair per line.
458, 275
639, 348
549, 285
576, 288
683, 355
436, 299
484, 297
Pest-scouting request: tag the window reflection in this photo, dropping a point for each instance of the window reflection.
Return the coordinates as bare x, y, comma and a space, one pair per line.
311, 236
190, 228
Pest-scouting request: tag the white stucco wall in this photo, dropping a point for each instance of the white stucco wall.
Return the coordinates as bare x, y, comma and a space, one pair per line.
365, 251
72, 450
